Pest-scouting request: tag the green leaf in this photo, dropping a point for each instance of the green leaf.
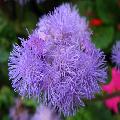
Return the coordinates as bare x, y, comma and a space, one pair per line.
117, 117
5, 117
30, 103
6, 97
94, 111
103, 36
30, 21
85, 6
3, 55
103, 11
6, 29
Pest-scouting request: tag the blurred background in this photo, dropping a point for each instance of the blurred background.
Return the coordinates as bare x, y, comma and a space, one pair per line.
104, 20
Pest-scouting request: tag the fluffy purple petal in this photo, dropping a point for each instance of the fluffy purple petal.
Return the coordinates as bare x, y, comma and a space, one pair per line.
116, 54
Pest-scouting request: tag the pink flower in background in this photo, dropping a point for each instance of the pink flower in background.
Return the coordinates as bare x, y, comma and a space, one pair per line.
113, 86
116, 78
112, 104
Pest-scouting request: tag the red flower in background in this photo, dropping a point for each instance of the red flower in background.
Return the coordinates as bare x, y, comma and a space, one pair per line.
96, 22
113, 86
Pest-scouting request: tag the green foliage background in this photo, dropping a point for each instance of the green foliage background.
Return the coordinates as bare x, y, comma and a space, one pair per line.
14, 19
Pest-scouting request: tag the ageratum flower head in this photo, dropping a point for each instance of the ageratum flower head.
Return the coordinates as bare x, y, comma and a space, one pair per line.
116, 54
65, 24
27, 70
79, 76
60, 67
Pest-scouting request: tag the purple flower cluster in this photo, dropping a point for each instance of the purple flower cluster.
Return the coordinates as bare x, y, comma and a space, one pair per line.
45, 113
18, 111
116, 54
58, 64
65, 25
